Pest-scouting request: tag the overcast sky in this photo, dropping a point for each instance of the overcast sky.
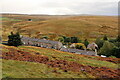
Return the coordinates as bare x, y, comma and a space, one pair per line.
60, 7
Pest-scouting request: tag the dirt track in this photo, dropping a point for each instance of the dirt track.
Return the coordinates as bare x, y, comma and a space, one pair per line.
100, 72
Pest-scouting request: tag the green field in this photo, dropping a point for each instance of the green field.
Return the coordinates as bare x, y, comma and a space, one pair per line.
17, 69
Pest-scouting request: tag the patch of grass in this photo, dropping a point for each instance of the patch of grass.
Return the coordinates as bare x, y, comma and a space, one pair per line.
8, 19
62, 56
97, 63
20, 69
5, 50
55, 54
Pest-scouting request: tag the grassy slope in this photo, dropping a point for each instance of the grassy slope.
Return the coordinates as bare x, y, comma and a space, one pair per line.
81, 26
55, 54
17, 69
20, 69
67, 56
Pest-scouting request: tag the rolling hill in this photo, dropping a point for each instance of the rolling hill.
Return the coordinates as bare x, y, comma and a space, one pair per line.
83, 27
37, 62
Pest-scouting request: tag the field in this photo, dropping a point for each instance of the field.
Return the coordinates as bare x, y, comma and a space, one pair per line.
38, 62
89, 27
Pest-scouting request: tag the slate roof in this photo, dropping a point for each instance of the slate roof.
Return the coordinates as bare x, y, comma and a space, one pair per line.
77, 51
39, 40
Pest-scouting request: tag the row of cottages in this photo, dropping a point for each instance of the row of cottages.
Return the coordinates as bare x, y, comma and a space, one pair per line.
41, 43
53, 45
78, 51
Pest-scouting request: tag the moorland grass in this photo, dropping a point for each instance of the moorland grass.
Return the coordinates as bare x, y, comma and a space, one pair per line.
21, 69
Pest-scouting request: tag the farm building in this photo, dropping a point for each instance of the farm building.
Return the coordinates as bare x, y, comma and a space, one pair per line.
41, 43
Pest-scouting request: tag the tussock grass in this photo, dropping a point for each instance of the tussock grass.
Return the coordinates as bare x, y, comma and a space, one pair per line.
83, 27
67, 56
20, 69
59, 55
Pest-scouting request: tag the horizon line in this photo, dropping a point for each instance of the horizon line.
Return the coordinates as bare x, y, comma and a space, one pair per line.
58, 14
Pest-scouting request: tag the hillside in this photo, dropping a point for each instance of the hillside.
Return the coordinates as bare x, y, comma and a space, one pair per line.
55, 26
36, 61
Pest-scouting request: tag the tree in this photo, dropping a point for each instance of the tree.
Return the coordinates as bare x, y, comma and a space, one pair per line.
99, 42
118, 38
79, 41
116, 52
86, 43
116, 41
74, 39
117, 44
105, 38
66, 39
112, 40
14, 39
107, 48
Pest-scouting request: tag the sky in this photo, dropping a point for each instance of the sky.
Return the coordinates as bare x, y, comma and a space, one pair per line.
60, 7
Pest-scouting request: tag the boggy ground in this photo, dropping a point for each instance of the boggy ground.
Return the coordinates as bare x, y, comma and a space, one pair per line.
99, 72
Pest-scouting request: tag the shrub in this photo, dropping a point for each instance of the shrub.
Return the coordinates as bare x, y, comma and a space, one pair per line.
86, 43
67, 39
80, 46
74, 39
115, 40
105, 38
79, 41
61, 39
112, 40
14, 39
116, 52
99, 42
117, 44
118, 38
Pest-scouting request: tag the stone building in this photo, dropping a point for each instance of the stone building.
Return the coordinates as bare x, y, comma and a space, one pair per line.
78, 51
41, 43
53, 45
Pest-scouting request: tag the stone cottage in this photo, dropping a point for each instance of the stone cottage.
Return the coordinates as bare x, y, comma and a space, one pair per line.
41, 43
53, 45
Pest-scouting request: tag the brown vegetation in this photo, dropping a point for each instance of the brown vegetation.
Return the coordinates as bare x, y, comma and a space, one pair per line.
99, 72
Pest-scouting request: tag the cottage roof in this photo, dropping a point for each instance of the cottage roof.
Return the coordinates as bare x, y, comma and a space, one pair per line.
78, 51
39, 40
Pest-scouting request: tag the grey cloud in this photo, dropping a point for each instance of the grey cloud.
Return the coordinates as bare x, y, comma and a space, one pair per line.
60, 7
